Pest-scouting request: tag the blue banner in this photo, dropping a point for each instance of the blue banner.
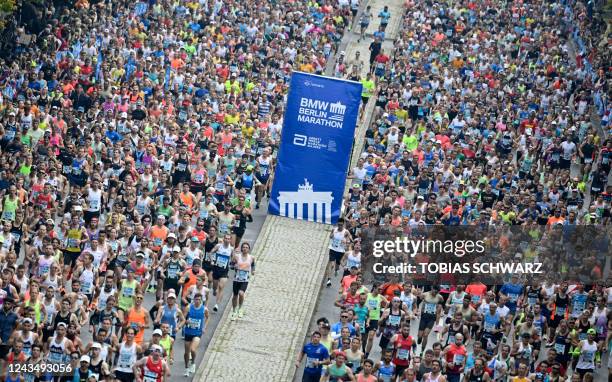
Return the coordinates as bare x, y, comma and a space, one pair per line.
315, 148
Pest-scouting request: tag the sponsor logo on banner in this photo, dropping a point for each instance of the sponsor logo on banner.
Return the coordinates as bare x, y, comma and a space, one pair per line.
318, 132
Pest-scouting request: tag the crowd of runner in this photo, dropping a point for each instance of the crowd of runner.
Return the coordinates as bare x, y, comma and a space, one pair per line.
483, 117
136, 140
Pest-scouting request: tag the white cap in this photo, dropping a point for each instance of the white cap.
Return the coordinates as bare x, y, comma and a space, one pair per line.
171, 295
85, 358
156, 347
124, 115
171, 235
176, 249
158, 332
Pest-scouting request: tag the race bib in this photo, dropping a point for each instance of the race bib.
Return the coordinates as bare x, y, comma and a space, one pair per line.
128, 292
458, 359
373, 304
430, 308
394, 320
94, 204
149, 376
222, 261
560, 348
403, 354
192, 323
203, 213
242, 275
310, 362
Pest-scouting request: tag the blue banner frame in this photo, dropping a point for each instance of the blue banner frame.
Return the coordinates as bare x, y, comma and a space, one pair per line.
315, 149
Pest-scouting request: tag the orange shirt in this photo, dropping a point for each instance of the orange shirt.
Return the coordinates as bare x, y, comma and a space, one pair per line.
554, 220
177, 63
137, 317
187, 199
159, 235
193, 279
347, 281
389, 289
476, 290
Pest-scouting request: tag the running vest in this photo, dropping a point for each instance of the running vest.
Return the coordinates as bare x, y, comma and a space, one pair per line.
243, 269
152, 371
452, 332
166, 344
393, 324
587, 356
561, 306
27, 343
72, 239
223, 255
336, 244
57, 351
195, 321
9, 208
87, 281
126, 296
403, 349
169, 317
127, 358
103, 297
50, 309
173, 272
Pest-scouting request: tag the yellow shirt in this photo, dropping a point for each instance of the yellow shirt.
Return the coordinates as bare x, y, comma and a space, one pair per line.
231, 119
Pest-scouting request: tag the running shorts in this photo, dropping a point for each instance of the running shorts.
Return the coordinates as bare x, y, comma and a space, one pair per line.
238, 286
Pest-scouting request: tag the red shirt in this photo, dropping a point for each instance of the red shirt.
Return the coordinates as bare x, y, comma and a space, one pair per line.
477, 291
455, 358
403, 348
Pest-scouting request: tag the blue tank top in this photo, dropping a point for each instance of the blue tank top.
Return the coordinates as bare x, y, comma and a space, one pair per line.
247, 181
195, 321
169, 317
77, 166
385, 372
491, 321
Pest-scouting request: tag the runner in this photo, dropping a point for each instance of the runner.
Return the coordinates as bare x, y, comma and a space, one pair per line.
223, 256
151, 368
196, 318
244, 265
340, 238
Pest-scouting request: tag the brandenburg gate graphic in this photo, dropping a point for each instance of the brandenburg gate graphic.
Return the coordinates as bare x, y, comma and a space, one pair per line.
318, 204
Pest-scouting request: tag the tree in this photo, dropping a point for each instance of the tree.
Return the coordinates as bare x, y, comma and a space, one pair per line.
7, 6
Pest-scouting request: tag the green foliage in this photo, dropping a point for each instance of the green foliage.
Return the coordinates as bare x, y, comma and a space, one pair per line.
7, 6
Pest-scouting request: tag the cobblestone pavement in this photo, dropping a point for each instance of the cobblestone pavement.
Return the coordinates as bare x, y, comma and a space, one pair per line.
279, 303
